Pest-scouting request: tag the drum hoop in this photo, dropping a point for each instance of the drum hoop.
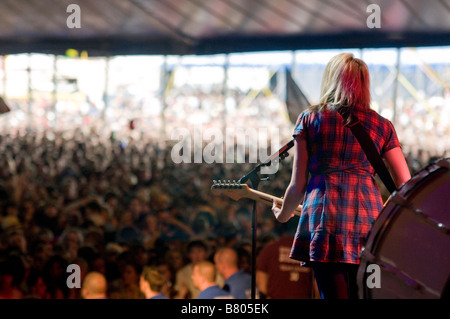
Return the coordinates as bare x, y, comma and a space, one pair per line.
431, 168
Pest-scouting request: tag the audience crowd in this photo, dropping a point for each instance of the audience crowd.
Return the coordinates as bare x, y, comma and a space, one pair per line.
113, 206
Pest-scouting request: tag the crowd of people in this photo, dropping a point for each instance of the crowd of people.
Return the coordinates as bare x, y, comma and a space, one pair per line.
114, 205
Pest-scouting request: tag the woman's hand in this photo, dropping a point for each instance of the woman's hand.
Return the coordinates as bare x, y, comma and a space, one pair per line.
276, 209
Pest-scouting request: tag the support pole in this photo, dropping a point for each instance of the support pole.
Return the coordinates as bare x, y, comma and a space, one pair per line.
4, 76
55, 89
106, 90
397, 73
225, 92
164, 89
29, 94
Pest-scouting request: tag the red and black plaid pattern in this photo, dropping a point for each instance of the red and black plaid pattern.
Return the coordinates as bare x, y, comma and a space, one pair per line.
342, 199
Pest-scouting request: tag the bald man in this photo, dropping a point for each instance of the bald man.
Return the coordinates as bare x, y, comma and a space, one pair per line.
94, 286
203, 277
237, 282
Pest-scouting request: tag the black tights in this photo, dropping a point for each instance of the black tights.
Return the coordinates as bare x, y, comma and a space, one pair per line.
336, 280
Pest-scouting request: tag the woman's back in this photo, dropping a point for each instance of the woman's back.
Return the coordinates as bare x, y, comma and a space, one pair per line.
342, 199
332, 147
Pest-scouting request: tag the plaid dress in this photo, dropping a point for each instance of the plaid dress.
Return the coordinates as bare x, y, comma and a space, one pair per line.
342, 199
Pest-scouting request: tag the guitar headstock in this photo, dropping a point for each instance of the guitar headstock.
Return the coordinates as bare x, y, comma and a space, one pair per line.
233, 189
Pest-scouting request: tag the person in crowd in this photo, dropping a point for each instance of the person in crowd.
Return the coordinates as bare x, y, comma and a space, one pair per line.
280, 277
237, 282
127, 286
151, 283
36, 286
10, 277
94, 286
203, 277
169, 277
71, 240
197, 252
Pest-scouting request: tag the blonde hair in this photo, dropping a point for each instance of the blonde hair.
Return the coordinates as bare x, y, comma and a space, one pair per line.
207, 270
345, 83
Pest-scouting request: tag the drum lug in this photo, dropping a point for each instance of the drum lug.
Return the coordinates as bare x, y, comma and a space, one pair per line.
396, 198
366, 255
443, 163
401, 201
439, 226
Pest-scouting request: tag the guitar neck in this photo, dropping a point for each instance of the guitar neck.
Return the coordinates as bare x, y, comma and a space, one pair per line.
268, 199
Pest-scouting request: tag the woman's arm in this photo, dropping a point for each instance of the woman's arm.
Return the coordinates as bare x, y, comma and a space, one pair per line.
397, 166
296, 188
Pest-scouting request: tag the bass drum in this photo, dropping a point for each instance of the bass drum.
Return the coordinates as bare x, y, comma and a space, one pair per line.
407, 252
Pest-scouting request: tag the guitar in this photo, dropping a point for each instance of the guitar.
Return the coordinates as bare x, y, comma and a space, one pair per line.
237, 191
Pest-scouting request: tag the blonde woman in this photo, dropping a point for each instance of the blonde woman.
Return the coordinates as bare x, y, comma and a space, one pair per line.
341, 199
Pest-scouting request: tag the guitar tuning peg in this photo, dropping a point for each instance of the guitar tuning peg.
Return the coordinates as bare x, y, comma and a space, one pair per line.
214, 182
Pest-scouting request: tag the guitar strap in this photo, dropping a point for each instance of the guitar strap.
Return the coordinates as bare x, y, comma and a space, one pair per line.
369, 148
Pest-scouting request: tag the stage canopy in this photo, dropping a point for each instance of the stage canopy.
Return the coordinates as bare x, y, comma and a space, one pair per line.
180, 27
